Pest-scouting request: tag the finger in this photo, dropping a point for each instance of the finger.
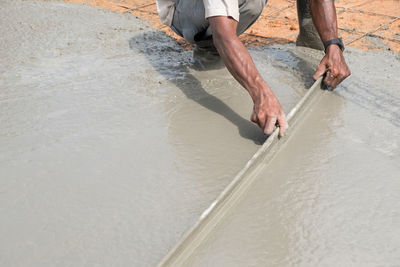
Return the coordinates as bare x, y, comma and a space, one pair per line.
321, 69
270, 126
341, 77
253, 117
261, 121
335, 82
329, 79
335, 76
283, 125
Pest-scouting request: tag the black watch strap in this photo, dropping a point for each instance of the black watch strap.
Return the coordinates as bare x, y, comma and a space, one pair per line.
336, 41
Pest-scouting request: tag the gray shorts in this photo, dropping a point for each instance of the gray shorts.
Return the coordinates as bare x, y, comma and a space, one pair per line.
190, 23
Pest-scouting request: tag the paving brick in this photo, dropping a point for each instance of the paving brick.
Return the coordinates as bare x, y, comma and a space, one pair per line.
392, 31
153, 19
350, 3
386, 7
133, 3
361, 22
275, 27
280, 4
370, 43
152, 9
348, 37
268, 10
278, 21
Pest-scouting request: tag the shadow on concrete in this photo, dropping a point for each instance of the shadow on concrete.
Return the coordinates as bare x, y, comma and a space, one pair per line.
174, 63
296, 60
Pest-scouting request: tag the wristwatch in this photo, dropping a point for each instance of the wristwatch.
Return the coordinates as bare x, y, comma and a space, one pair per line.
336, 41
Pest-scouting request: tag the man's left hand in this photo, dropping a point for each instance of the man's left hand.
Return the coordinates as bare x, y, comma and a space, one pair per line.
334, 65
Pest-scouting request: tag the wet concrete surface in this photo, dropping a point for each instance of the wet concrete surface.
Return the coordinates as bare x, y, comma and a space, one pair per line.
113, 139
330, 197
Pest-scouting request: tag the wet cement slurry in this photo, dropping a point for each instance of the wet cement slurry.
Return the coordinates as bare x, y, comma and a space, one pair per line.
113, 139
330, 197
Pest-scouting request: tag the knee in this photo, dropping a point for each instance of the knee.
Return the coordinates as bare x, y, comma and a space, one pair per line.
255, 7
188, 35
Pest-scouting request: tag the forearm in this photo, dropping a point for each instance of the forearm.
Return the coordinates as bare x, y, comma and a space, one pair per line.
240, 64
333, 63
323, 13
267, 111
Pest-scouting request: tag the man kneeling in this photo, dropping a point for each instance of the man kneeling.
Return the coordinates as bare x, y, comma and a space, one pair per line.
218, 23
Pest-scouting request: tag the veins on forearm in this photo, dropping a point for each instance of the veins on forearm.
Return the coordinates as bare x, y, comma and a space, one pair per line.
324, 17
239, 63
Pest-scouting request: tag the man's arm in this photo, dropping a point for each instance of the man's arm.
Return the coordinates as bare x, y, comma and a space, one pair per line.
267, 110
323, 13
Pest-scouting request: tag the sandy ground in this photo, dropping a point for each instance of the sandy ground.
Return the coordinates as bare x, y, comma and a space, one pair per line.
113, 138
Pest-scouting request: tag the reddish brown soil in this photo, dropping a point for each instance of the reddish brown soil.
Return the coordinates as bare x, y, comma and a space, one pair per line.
364, 24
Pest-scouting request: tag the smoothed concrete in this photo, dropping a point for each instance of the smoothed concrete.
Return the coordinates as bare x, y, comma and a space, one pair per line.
330, 195
113, 139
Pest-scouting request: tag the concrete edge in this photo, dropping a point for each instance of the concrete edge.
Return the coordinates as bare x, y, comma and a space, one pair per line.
211, 217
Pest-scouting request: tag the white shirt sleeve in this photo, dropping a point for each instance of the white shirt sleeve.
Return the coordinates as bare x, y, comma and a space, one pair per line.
228, 8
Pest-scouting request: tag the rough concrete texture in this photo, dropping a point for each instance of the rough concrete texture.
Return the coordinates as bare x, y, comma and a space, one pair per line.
113, 139
330, 195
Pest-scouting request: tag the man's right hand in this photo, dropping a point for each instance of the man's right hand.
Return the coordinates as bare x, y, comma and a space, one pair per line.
268, 113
